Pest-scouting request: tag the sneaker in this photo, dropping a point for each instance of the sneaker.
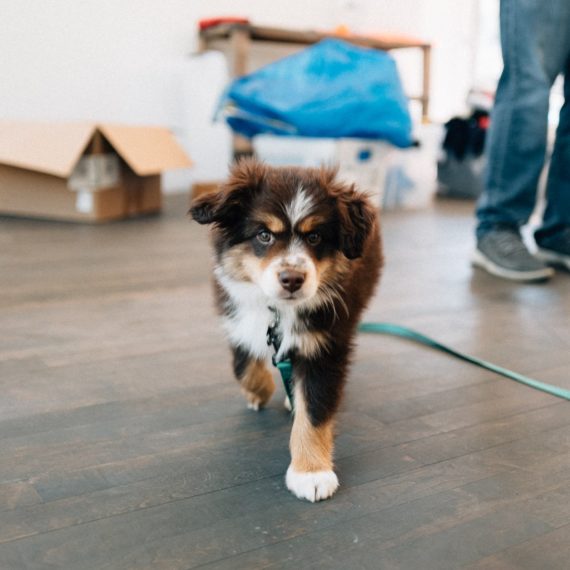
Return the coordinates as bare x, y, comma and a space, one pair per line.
554, 249
502, 253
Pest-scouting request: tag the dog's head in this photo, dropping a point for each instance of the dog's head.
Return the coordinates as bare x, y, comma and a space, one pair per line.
290, 231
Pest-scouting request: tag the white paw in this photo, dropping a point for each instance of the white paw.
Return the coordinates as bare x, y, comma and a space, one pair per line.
287, 404
311, 485
253, 401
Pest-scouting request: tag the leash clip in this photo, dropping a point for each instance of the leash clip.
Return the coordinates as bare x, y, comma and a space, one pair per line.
283, 364
272, 334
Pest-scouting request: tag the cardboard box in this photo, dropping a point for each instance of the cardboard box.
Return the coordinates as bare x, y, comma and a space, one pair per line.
84, 172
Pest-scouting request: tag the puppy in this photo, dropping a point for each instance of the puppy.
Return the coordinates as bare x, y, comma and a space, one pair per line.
298, 245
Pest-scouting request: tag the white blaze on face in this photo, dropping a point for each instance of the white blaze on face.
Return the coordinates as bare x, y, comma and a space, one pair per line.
300, 207
295, 258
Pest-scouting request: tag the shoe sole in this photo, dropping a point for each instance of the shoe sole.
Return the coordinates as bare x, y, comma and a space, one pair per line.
479, 260
552, 257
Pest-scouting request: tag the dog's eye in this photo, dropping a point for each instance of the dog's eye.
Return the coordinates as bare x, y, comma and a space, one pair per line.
265, 237
314, 238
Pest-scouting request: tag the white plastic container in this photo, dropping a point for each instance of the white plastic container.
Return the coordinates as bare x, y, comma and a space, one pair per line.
395, 178
411, 179
360, 162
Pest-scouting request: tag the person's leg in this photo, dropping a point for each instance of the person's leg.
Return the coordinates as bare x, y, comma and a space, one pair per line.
557, 213
533, 56
553, 238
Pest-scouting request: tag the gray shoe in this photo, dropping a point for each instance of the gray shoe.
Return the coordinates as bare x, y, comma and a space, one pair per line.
502, 253
554, 249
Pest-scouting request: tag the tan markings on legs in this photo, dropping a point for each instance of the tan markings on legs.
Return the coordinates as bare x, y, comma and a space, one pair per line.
310, 475
257, 384
311, 447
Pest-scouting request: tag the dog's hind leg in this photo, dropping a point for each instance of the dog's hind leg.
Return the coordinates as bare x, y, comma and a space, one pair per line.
256, 380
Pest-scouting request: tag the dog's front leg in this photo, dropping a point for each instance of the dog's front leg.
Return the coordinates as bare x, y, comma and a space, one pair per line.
310, 475
256, 380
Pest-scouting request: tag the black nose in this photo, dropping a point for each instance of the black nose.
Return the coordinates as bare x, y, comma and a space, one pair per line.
291, 280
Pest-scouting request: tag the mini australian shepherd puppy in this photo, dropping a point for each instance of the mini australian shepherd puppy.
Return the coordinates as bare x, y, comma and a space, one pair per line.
300, 245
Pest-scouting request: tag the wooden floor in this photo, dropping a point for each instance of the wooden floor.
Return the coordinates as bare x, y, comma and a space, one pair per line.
125, 443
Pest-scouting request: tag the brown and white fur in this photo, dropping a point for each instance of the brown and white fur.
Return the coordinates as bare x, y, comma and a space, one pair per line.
300, 242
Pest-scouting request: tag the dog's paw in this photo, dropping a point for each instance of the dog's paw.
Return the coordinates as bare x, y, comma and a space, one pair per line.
287, 404
254, 402
311, 485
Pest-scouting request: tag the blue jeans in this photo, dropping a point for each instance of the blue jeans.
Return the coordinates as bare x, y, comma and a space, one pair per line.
535, 41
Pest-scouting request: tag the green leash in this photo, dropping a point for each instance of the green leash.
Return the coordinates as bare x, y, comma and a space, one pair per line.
286, 368
284, 364
404, 332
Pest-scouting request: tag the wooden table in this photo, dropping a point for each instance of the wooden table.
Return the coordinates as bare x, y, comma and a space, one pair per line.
240, 42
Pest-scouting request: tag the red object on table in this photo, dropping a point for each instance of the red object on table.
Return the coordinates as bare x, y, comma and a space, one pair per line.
211, 22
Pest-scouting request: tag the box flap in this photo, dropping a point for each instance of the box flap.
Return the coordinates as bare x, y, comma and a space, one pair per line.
53, 148
147, 150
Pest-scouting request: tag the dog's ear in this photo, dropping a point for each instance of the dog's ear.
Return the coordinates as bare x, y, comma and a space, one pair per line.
205, 208
357, 217
229, 204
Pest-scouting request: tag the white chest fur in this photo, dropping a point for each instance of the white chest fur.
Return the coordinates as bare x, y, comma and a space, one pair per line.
246, 326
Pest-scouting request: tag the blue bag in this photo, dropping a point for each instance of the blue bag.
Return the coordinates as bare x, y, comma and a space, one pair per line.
332, 89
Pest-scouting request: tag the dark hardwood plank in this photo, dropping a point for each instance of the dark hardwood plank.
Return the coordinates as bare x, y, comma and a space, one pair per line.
551, 550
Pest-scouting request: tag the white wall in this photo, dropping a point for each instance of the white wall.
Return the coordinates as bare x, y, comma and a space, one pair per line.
129, 60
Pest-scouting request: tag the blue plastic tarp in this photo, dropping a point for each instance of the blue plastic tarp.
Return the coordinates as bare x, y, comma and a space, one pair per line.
332, 89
